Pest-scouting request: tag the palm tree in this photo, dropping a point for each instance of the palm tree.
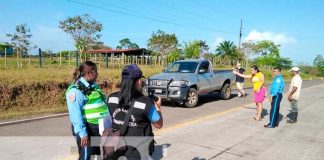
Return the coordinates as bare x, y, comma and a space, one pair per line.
227, 50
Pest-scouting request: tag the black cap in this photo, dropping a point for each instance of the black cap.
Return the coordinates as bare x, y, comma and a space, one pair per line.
132, 71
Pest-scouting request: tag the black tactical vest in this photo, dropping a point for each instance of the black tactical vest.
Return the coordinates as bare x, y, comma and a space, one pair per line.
139, 124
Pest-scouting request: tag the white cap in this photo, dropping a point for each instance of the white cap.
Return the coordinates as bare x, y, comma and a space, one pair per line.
294, 69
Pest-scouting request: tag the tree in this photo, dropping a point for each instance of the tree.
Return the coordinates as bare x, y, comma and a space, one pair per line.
284, 63
318, 61
20, 40
100, 45
266, 47
267, 52
227, 50
195, 49
319, 64
162, 43
84, 30
127, 44
174, 55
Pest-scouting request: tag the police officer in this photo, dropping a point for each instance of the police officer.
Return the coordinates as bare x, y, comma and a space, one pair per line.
86, 105
276, 90
145, 112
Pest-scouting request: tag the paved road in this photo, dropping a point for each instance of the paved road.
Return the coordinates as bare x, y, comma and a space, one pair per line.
208, 104
234, 135
216, 129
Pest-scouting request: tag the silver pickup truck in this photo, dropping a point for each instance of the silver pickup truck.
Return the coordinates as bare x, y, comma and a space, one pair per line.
183, 81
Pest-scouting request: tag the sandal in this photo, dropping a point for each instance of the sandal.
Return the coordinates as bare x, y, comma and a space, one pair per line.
257, 118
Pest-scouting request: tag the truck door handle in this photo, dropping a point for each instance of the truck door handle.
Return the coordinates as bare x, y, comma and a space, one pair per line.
211, 75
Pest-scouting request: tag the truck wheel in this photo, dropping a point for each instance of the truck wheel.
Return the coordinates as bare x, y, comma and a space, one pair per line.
226, 92
192, 98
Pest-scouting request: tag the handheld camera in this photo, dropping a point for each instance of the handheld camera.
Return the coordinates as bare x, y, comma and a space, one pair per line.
152, 96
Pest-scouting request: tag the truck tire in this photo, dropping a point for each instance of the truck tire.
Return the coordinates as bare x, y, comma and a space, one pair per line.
226, 92
191, 98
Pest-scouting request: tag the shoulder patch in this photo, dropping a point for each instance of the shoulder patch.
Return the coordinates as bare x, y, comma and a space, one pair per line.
139, 105
113, 100
72, 96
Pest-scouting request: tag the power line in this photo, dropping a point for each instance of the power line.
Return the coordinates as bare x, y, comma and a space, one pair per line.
185, 11
123, 8
147, 18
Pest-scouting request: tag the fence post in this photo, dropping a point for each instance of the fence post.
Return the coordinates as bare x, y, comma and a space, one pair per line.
77, 58
95, 58
106, 60
69, 58
17, 59
50, 59
99, 59
136, 60
5, 57
29, 60
112, 58
40, 57
123, 58
60, 59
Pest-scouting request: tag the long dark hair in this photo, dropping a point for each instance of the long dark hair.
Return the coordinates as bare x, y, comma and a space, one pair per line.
255, 67
84, 67
128, 91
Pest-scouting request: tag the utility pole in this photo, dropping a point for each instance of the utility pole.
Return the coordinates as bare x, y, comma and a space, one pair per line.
240, 35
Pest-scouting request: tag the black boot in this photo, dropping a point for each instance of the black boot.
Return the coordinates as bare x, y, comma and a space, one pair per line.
295, 117
290, 117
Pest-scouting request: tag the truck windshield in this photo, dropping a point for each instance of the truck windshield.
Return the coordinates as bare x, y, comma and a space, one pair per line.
182, 67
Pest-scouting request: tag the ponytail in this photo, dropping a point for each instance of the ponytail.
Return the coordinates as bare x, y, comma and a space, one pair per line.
84, 67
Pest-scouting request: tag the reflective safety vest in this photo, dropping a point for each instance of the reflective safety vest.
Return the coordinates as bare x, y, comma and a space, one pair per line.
95, 108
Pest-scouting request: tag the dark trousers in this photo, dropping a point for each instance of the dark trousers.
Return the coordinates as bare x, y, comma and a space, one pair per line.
85, 153
274, 112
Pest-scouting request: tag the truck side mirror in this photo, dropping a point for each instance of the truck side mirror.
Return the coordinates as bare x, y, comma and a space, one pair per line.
202, 71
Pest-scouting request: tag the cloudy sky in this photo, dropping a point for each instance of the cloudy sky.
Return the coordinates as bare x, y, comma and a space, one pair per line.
297, 25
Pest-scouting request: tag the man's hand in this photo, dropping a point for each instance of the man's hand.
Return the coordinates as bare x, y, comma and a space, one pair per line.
84, 141
289, 98
235, 71
158, 104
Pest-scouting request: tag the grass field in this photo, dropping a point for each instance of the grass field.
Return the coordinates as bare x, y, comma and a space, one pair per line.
30, 91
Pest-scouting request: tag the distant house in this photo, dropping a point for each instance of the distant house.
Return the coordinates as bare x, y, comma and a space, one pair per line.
139, 56
121, 52
5, 48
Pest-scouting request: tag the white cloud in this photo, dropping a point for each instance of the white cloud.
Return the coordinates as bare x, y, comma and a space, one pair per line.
278, 38
216, 42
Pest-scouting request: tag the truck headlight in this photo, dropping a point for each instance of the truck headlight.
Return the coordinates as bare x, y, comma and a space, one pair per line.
179, 83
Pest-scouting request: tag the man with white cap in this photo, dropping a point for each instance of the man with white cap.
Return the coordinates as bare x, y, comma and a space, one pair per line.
293, 94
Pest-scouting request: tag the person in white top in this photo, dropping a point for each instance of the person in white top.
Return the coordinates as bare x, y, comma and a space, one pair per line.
293, 94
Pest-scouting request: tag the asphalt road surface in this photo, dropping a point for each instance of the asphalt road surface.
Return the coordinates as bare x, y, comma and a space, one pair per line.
173, 114
188, 135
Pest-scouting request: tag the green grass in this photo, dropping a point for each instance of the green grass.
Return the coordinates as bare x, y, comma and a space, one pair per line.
29, 114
